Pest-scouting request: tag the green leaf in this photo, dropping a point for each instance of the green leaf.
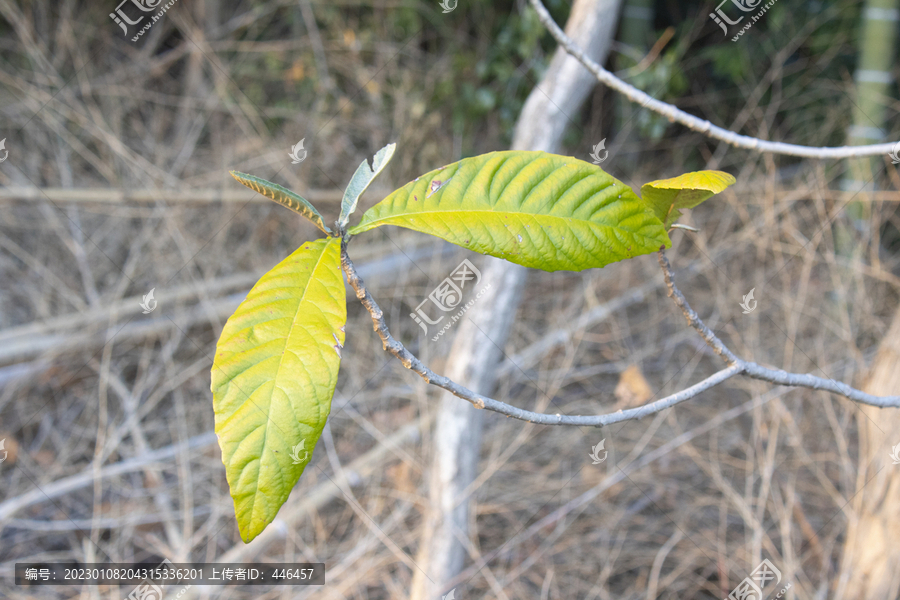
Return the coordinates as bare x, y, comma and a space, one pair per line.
535, 209
283, 196
273, 378
667, 197
361, 179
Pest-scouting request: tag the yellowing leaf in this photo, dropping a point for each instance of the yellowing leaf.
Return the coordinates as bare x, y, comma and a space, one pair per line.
283, 196
273, 378
536, 209
667, 196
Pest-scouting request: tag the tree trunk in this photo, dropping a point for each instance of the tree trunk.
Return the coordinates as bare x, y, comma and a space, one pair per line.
871, 563
476, 351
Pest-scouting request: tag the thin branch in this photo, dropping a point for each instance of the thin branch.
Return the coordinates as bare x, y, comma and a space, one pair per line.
751, 369
690, 121
756, 371
736, 366
692, 318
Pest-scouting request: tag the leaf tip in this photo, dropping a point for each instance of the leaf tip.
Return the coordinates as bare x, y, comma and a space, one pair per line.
729, 178
248, 534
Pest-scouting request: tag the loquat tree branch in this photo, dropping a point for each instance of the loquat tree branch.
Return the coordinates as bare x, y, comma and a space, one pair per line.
751, 369
692, 318
673, 113
735, 366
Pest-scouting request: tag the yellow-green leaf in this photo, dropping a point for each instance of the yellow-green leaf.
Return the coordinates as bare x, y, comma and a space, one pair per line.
667, 197
273, 378
536, 209
283, 196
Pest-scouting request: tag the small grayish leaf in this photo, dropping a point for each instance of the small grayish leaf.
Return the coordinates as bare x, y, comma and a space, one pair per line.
361, 179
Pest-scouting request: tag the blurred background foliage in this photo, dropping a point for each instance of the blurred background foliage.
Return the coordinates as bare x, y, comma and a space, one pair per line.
458, 80
224, 84
234, 84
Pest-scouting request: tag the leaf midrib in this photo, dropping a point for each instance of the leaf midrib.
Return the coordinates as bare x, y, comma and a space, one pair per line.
299, 304
386, 220
256, 495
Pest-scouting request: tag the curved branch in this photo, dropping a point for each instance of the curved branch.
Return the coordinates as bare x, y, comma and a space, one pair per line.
756, 371
674, 113
414, 364
693, 318
735, 366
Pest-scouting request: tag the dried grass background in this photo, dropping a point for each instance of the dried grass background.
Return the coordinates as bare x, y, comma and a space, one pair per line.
108, 415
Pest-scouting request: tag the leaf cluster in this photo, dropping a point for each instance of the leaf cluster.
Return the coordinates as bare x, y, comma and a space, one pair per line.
277, 360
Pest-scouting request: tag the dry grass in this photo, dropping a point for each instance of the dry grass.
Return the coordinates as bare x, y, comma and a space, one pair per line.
688, 502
